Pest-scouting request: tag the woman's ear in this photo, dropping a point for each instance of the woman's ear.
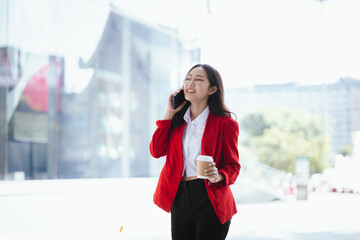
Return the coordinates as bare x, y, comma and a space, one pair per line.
212, 90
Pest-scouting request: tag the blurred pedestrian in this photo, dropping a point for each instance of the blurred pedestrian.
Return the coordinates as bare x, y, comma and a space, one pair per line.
201, 125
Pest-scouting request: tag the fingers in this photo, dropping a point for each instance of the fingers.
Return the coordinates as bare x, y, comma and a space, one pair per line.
177, 91
173, 93
170, 99
212, 170
213, 173
170, 112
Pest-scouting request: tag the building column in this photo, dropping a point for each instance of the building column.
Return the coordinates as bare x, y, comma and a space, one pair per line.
125, 66
53, 105
3, 131
4, 86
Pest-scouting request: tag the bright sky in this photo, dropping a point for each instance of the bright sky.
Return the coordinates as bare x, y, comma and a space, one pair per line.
269, 41
248, 41
278, 41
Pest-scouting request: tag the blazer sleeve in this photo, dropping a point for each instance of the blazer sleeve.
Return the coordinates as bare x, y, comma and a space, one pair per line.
231, 167
160, 139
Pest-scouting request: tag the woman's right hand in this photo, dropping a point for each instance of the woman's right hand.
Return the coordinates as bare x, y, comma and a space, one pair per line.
171, 111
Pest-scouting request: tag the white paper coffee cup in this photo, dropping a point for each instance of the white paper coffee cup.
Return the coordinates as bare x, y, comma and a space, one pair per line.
202, 164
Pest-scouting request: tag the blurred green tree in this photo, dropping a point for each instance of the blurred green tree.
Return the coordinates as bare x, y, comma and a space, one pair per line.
278, 137
346, 150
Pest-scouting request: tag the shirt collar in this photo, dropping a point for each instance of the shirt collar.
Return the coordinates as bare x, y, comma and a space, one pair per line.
201, 119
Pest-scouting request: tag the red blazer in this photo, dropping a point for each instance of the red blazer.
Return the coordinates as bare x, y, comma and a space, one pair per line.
220, 140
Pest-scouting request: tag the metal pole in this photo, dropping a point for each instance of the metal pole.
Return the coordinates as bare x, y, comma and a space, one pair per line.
323, 86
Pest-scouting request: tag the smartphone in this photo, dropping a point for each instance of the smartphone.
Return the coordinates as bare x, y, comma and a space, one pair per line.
178, 99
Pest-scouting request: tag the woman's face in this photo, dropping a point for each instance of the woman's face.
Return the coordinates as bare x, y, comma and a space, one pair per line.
197, 86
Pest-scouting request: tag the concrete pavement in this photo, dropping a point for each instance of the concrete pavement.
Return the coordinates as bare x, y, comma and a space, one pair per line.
96, 209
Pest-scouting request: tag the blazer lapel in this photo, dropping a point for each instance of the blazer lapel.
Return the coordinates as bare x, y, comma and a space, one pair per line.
208, 139
178, 135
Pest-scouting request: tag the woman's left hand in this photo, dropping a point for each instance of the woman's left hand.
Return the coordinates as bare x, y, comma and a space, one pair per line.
213, 174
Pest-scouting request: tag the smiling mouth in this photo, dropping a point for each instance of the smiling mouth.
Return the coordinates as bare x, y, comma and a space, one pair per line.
190, 91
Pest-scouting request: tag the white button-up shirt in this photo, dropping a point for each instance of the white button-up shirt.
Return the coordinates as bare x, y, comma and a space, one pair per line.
191, 141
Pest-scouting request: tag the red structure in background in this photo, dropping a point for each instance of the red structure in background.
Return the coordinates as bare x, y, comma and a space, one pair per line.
36, 92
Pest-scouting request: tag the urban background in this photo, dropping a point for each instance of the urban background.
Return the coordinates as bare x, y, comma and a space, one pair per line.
83, 82
81, 90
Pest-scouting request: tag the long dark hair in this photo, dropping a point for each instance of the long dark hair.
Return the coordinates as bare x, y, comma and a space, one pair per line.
215, 101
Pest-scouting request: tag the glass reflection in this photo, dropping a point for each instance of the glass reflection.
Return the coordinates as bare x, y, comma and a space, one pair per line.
84, 111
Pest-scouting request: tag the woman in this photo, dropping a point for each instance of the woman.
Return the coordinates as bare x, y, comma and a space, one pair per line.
202, 125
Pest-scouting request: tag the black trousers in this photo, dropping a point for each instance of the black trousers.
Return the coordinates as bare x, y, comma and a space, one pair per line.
193, 216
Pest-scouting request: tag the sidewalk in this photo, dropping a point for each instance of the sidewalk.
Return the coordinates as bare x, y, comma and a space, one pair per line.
325, 216
96, 209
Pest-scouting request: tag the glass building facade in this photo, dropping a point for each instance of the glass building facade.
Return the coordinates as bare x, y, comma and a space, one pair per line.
81, 86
